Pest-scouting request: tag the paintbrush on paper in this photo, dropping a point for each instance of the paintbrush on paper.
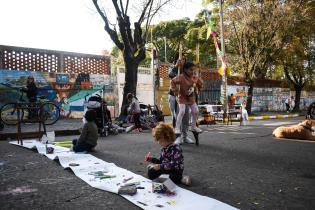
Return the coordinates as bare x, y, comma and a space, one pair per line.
127, 179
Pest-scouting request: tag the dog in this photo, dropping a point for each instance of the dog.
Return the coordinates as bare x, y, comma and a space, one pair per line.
303, 131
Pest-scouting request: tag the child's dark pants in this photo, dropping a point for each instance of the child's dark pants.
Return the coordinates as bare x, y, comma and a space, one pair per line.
175, 175
136, 119
81, 147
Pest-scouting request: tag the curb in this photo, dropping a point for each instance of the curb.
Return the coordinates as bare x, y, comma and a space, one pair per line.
6, 136
263, 117
279, 116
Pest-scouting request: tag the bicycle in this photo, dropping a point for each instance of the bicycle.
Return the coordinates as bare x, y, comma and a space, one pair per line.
9, 115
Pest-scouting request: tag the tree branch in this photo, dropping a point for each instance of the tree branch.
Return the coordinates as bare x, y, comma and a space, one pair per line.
127, 6
144, 11
287, 74
122, 7
147, 23
112, 33
118, 11
128, 31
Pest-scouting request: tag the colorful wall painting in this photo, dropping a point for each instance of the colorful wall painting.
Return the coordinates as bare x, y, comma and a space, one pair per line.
270, 99
68, 91
239, 92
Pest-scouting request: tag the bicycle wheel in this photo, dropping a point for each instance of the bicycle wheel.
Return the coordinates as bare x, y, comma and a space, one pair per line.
311, 111
51, 113
8, 114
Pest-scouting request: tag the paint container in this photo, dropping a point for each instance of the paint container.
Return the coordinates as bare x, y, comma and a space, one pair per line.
163, 185
49, 150
127, 190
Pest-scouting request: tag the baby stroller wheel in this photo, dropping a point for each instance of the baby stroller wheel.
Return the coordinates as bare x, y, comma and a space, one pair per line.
104, 131
115, 131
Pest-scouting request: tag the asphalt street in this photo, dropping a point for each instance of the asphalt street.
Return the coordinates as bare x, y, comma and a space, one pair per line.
243, 166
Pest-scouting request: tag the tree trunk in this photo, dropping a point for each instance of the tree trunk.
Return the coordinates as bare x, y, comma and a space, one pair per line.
298, 90
250, 98
131, 77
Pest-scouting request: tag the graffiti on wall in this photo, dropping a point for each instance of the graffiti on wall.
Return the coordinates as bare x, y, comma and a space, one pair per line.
269, 99
68, 91
239, 92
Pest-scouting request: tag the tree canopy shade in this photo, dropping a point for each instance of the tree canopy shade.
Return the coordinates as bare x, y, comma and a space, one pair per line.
190, 33
259, 35
130, 40
254, 31
297, 57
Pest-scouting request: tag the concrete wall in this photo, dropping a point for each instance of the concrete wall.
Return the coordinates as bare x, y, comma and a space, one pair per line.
145, 92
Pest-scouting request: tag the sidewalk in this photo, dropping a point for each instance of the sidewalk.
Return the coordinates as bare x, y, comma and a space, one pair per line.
62, 127
66, 127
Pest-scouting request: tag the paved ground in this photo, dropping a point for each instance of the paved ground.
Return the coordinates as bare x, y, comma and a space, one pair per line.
62, 125
242, 166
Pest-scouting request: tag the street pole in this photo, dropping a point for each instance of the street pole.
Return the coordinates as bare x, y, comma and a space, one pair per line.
224, 76
165, 58
152, 67
153, 73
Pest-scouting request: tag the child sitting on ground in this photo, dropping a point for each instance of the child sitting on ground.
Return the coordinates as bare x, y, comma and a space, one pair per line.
171, 159
134, 109
89, 135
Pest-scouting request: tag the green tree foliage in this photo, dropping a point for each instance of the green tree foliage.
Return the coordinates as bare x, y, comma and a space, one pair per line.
297, 57
260, 33
186, 31
254, 33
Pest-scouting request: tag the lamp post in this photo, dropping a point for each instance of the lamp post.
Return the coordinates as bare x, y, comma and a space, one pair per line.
224, 76
165, 58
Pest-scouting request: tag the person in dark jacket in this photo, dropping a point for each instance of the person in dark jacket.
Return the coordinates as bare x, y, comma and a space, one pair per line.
31, 94
89, 135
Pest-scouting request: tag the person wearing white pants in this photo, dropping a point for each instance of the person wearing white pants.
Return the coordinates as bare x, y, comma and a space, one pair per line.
185, 87
173, 105
244, 113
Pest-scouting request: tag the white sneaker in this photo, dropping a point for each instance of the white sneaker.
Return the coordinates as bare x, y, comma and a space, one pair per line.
130, 128
178, 140
186, 180
177, 131
196, 129
188, 140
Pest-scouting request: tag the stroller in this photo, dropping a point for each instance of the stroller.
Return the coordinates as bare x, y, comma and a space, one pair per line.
150, 115
103, 124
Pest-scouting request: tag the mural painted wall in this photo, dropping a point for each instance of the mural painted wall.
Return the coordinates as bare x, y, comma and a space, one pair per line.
270, 99
239, 92
68, 91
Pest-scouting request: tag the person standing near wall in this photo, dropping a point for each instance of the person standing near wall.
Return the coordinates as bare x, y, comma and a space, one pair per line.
244, 113
292, 104
288, 103
31, 94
